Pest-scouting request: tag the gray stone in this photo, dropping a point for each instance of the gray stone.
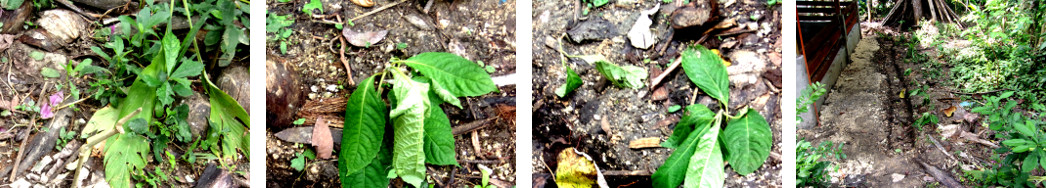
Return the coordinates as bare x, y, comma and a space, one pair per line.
418, 22
41, 164
596, 28
199, 113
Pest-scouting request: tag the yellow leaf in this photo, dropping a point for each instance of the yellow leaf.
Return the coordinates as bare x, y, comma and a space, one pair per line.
577, 170
902, 93
948, 111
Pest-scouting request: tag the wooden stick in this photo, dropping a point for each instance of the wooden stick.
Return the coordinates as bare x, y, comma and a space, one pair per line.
657, 80
345, 61
377, 10
25, 139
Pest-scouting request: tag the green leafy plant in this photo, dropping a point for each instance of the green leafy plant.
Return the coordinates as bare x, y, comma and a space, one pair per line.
298, 163
312, 5
926, 118
808, 97
700, 142
811, 170
485, 178
173, 65
419, 127
63, 138
278, 26
622, 76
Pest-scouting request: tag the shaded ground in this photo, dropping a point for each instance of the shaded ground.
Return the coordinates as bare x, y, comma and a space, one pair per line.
872, 111
600, 119
480, 31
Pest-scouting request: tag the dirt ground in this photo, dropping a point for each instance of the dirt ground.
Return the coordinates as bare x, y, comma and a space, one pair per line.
481, 31
866, 111
601, 120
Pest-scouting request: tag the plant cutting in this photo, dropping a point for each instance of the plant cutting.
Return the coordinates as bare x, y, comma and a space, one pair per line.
395, 140
704, 139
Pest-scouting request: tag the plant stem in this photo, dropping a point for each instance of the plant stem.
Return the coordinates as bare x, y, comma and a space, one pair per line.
85, 150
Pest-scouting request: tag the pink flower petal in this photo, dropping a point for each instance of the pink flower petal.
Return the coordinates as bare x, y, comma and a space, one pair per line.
56, 99
45, 111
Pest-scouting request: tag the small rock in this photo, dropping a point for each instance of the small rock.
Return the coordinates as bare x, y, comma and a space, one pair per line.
756, 16
21, 183
596, 28
199, 113
418, 22
39, 186
57, 179
41, 164
236, 82
746, 68
32, 176
332, 88
58, 27
696, 13
283, 92
897, 177
331, 5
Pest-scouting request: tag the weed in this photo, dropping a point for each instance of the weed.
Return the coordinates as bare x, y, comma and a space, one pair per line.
811, 170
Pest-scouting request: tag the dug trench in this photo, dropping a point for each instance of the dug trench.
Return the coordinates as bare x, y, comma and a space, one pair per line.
870, 111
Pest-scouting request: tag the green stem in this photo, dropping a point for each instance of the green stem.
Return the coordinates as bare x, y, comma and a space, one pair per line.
195, 46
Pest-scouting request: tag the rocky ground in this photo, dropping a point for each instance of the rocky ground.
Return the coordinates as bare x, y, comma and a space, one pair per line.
865, 110
481, 31
47, 147
601, 120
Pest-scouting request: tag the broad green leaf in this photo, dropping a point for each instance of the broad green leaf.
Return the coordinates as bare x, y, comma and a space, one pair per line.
1031, 162
445, 94
572, 82
374, 174
298, 163
439, 138
187, 69
458, 75
408, 160
171, 47
1026, 129
124, 154
673, 171
622, 76
229, 41
49, 72
697, 115
362, 135
229, 120
706, 69
706, 165
747, 140
101, 121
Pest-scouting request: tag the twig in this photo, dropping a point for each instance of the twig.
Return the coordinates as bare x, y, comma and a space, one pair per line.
25, 139
85, 150
428, 6
377, 10
657, 80
345, 61
70, 104
939, 147
471, 126
668, 42
481, 161
450, 182
626, 173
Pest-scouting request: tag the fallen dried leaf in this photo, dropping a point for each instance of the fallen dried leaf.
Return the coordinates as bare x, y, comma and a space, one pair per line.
364, 3
651, 142
321, 138
640, 34
363, 39
948, 111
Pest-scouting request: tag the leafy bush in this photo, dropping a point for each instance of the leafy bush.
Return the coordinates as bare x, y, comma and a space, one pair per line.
810, 169
170, 71
373, 152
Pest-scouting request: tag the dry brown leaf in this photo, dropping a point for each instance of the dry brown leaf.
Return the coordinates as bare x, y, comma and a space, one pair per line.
651, 142
363, 39
948, 111
321, 139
